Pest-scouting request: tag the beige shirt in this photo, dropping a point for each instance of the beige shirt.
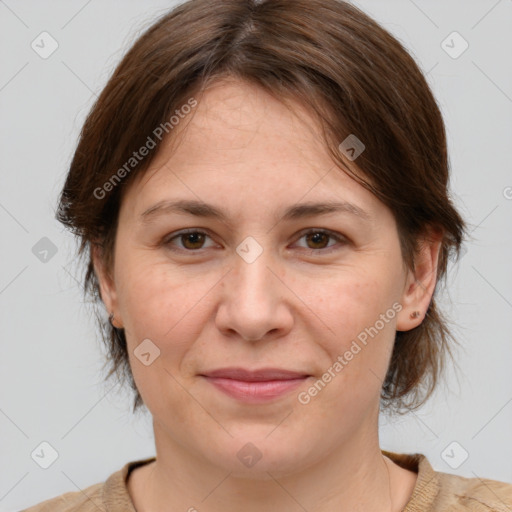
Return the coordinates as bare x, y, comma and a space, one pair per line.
434, 491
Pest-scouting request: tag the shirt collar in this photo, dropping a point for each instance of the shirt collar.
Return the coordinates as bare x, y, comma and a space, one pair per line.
427, 484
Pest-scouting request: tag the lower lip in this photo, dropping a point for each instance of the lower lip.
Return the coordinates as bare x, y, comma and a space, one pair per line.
255, 392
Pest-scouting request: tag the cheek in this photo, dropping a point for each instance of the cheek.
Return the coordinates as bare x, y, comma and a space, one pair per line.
166, 308
160, 304
351, 303
359, 313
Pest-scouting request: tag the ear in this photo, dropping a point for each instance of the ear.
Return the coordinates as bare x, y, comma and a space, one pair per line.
106, 283
420, 283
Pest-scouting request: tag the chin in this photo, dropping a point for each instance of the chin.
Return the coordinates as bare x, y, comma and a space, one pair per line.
254, 454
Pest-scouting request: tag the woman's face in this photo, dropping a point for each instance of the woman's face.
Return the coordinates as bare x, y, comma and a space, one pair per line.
257, 289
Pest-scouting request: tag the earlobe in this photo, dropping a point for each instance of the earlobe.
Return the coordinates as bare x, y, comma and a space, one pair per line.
106, 283
420, 283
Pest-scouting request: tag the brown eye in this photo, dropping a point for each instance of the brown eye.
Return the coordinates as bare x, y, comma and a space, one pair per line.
318, 238
190, 241
317, 241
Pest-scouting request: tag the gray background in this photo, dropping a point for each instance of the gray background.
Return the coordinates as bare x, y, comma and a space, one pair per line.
50, 382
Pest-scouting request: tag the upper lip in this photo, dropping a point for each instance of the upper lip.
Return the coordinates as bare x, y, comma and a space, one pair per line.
260, 375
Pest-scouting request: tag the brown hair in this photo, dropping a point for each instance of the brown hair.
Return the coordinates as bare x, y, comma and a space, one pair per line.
325, 54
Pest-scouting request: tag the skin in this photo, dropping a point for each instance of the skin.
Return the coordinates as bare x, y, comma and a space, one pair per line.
297, 306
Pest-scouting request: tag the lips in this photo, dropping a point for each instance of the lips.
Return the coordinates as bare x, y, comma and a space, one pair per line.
255, 386
261, 375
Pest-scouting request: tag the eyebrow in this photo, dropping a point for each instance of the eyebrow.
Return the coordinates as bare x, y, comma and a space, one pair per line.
294, 212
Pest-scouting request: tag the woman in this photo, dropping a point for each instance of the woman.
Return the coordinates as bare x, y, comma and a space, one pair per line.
261, 193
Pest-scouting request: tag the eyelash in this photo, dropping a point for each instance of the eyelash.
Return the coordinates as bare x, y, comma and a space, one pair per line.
339, 238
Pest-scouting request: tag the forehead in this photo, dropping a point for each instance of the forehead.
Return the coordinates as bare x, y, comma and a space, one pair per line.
235, 120
242, 146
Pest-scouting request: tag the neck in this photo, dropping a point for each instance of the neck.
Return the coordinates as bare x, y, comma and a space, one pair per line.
354, 477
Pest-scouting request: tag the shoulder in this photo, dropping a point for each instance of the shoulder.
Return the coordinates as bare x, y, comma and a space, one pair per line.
86, 500
475, 494
111, 495
436, 491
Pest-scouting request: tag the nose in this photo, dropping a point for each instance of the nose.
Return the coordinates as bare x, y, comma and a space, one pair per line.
254, 303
